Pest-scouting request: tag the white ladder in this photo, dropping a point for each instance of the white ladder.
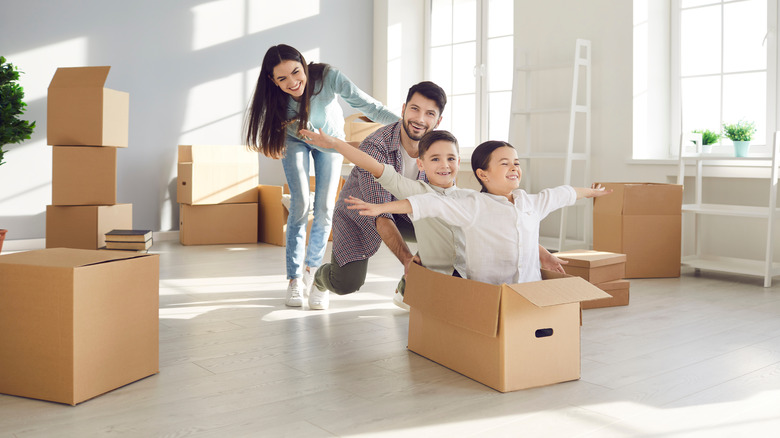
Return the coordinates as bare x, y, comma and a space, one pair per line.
523, 112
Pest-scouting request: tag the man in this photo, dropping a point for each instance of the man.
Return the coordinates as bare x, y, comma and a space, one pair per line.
356, 238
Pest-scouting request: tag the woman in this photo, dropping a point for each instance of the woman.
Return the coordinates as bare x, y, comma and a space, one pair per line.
291, 95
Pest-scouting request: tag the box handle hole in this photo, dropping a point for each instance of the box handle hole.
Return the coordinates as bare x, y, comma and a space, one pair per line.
544, 333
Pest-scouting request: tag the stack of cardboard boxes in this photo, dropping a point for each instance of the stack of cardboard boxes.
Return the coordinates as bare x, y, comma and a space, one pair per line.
606, 270
217, 194
86, 123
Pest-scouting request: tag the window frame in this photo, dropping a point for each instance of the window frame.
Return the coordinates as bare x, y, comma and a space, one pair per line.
675, 115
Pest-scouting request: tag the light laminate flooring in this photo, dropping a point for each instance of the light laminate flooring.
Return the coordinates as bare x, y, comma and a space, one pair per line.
695, 356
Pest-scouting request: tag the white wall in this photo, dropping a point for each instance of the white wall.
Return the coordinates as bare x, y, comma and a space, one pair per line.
190, 68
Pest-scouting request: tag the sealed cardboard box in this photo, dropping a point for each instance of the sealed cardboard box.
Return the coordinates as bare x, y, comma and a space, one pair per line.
644, 222
216, 174
618, 289
273, 214
85, 226
83, 175
508, 337
75, 324
217, 224
594, 266
81, 111
357, 127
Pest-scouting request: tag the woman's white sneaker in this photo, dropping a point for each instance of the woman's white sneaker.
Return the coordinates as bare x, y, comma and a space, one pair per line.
308, 279
294, 294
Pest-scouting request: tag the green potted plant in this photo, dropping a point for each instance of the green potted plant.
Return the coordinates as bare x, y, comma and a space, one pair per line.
12, 105
740, 134
708, 138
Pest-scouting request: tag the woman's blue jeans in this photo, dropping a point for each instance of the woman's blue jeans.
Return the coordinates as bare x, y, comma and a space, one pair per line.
327, 170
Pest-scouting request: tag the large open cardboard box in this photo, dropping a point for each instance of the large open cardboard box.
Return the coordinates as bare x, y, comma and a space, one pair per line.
83, 175
216, 174
75, 324
594, 266
508, 337
644, 222
81, 111
218, 224
85, 226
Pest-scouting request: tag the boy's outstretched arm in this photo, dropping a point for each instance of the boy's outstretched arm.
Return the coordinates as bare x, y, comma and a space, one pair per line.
353, 154
594, 191
367, 209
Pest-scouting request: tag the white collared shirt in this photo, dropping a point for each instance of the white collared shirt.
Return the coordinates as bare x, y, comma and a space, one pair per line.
502, 238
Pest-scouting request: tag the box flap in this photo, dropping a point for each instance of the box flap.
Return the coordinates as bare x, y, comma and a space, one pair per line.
74, 77
66, 257
464, 303
557, 288
590, 259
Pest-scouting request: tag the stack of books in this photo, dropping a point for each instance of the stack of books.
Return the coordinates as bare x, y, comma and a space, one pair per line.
136, 240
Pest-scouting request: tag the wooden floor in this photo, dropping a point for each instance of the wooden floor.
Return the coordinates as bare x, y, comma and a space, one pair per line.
691, 356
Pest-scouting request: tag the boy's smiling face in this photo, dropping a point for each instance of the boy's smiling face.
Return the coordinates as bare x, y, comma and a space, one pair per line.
440, 163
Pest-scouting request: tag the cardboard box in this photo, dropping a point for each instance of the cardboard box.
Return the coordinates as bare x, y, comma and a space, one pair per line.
357, 127
508, 337
594, 266
644, 222
217, 174
81, 111
75, 324
85, 226
273, 215
218, 224
83, 175
618, 290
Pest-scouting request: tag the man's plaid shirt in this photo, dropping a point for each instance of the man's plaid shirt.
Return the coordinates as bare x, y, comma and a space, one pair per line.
355, 236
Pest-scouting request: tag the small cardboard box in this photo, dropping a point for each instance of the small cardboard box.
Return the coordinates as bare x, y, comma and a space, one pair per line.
618, 289
357, 127
217, 174
75, 324
644, 222
594, 266
81, 111
508, 337
83, 175
217, 224
85, 226
273, 214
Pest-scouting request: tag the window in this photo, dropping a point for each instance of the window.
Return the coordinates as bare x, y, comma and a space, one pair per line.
469, 53
723, 71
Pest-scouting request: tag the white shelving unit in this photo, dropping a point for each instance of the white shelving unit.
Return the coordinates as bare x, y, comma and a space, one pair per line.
523, 113
766, 268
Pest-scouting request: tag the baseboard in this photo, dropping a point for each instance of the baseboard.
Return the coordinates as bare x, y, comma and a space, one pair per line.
33, 244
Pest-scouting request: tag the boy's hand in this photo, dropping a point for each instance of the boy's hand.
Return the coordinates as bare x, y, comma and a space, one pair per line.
551, 263
318, 138
598, 190
364, 208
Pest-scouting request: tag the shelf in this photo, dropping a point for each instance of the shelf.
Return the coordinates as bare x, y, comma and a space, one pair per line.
728, 210
576, 108
713, 157
730, 264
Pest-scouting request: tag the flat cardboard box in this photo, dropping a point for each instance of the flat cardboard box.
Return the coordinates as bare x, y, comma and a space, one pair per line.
85, 226
618, 289
217, 224
75, 324
216, 174
81, 111
594, 266
508, 337
644, 222
83, 175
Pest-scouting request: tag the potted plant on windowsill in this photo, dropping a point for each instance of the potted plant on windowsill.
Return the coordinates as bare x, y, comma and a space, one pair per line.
740, 134
12, 105
708, 138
